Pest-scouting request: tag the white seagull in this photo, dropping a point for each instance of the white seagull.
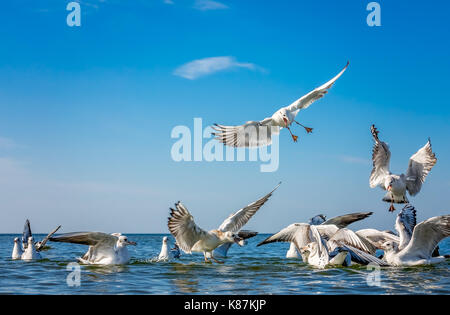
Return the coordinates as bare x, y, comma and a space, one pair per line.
341, 221
17, 249
417, 245
166, 253
30, 252
40, 245
259, 133
191, 238
420, 165
104, 249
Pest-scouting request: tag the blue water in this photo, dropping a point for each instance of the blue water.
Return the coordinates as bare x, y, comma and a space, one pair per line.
248, 270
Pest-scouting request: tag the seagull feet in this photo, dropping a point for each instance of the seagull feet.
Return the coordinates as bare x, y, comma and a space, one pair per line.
295, 138
308, 130
391, 208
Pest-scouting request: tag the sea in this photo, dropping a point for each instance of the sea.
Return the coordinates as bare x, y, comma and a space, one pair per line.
248, 270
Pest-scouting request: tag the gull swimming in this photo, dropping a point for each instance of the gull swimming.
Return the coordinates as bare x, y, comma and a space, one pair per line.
17, 249
166, 253
339, 221
104, 249
259, 133
417, 242
30, 252
420, 164
191, 238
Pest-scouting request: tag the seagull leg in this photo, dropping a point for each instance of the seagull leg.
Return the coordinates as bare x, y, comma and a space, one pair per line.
391, 208
294, 137
308, 130
217, 261
206, 259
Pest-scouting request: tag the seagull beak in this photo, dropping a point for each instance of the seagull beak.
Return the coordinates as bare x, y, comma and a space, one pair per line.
285, 121
389, 188
239, 241
304, 249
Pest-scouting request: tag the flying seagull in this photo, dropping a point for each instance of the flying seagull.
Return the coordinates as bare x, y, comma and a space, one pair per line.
259, 133
191, 238
104, 249
420, 165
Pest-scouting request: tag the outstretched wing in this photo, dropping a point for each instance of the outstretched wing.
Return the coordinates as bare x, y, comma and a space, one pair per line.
86, 238
404, 224
306, 100
298, 233
249, 135
377, 238
182, 226
380, 157
420, 164
427, 235
348, 237
237, 220
26, 233
44, 241
347, 219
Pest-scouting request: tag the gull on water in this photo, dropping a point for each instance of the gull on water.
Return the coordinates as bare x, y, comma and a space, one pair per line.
326, 239
259, 133
40, 245
339, 221
30, 252
191, 238
420, 164
17, 249
104, 249
166, 253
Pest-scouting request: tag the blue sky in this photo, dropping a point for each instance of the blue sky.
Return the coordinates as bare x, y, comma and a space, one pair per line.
86, 112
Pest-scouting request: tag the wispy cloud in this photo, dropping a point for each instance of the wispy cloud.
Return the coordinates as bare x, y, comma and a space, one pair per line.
201, 67
354, 160
206, 5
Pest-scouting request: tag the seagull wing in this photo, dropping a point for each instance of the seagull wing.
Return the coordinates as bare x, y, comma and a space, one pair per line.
182, 226
45, 240
26, 233
86, 238
306, 100
380, 157
427, 235
362, 257
249, 135
404, 224
347, 219
420, 164
377, 238
298, 233
348, 237
237, 220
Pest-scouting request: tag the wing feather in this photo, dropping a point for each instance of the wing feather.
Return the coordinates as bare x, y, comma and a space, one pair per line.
420, 164
380, 157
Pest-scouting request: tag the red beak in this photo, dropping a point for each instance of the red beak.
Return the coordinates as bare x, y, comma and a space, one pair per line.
389, 188
285, 121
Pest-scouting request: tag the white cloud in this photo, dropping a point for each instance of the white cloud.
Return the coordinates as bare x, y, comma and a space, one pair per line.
201, 67
205, 5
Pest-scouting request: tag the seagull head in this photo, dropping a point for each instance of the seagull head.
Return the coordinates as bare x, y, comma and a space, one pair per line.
30, 240
282, 113
233, 238
16, 240
123, 241
389, 246
165, 239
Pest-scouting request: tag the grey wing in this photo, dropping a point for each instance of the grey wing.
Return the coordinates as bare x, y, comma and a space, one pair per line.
404, 224
362, 257
381, 156
237, 220
182, 226
297, 233
26, 233
347, 219
306, 100
377, 238
420, 164
245, 234
252, 134
348, 237
427, 235
85, 238
44, 241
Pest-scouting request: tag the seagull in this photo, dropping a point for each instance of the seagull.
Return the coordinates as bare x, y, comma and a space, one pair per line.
259, 133
17, 249
30, 252
192, 238
104, 249
244, 235
416, 246
327, 238
166, 253
27, 234
339, 221
420, 164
